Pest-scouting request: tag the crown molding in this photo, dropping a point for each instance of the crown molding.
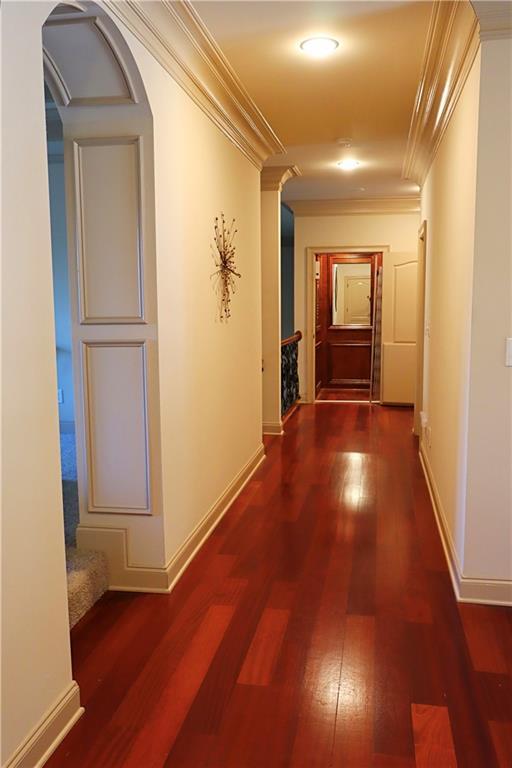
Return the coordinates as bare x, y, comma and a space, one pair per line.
351, 207
495, 18
175, 35
274, 177
451, 47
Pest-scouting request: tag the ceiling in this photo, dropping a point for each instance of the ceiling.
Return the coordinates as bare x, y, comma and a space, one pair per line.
363, 92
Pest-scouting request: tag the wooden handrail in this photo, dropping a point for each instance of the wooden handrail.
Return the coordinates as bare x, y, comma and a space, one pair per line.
297, 336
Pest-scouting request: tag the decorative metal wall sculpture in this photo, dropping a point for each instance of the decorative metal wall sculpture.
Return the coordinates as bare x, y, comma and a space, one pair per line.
224, 257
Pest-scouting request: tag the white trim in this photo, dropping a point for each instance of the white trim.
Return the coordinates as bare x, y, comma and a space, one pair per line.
55, 81
125, 577
273, 428
103, 34
467, 590
355, 206
451, 46
495, 19
309, 331
175, 35
273, 177
44, 739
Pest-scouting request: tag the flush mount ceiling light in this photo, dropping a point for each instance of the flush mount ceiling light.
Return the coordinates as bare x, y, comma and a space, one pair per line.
349, 164
319, 47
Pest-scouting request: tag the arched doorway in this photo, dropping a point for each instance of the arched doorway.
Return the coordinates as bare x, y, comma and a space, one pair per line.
103, 189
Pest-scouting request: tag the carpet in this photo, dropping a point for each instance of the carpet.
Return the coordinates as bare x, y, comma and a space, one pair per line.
87, 571
87, 574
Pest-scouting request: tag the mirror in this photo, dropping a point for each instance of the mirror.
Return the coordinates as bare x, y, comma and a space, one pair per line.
351, 294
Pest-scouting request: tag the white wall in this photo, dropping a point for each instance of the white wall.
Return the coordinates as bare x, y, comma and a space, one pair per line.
397, 231
466, 201
210, 371
448, 205
36, 668
488, 535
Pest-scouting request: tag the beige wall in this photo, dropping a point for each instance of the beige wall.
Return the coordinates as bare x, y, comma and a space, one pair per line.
448, 205
398, 232
36, 664
488, 535
210, 371
466, 201
271, 308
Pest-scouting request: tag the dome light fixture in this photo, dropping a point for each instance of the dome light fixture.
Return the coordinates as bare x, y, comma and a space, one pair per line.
319, 47
349, 164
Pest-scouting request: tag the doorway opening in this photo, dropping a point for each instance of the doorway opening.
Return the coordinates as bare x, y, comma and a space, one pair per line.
347, 312
62, 317
86, 571
100, 165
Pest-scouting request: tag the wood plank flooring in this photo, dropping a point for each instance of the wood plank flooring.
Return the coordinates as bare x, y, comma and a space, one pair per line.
316, 627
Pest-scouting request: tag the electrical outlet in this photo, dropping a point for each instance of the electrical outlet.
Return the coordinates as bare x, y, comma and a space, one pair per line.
60, 396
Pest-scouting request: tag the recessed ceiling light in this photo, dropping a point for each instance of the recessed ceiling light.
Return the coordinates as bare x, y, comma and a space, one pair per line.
319, 47
349, 164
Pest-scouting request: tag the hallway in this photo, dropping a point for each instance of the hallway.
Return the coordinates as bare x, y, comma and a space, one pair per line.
317, 626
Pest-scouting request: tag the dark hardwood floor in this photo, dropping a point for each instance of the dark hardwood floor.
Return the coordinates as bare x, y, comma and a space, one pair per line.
316, 627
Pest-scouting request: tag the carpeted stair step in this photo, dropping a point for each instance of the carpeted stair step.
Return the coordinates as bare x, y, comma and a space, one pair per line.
87, 573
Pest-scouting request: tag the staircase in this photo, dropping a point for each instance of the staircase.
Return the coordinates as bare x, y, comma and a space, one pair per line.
87, 574
87, 571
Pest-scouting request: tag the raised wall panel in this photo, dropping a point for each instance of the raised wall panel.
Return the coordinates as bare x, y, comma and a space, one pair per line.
349, 362
108, 213
116, 426
404, 305
82, 57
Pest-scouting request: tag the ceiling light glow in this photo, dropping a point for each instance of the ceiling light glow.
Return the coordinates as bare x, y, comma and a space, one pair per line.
349, 164
319, 47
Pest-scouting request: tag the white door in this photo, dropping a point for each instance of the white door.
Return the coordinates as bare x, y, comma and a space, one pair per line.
399, 292
357, 300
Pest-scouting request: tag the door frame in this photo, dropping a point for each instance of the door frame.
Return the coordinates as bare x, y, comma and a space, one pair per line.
309, 334
420, 326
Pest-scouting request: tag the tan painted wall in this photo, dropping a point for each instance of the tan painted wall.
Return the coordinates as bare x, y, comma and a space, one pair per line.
210, 371
448, 205
488, 536
397, 231
36, 664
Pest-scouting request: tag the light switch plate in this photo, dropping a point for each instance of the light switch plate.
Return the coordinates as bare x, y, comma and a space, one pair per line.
508, 353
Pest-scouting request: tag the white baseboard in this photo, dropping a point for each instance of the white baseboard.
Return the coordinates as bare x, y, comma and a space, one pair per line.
273, 428
124, 577
46, 737
467, 590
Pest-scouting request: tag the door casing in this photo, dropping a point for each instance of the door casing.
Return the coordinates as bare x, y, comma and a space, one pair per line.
309, 335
